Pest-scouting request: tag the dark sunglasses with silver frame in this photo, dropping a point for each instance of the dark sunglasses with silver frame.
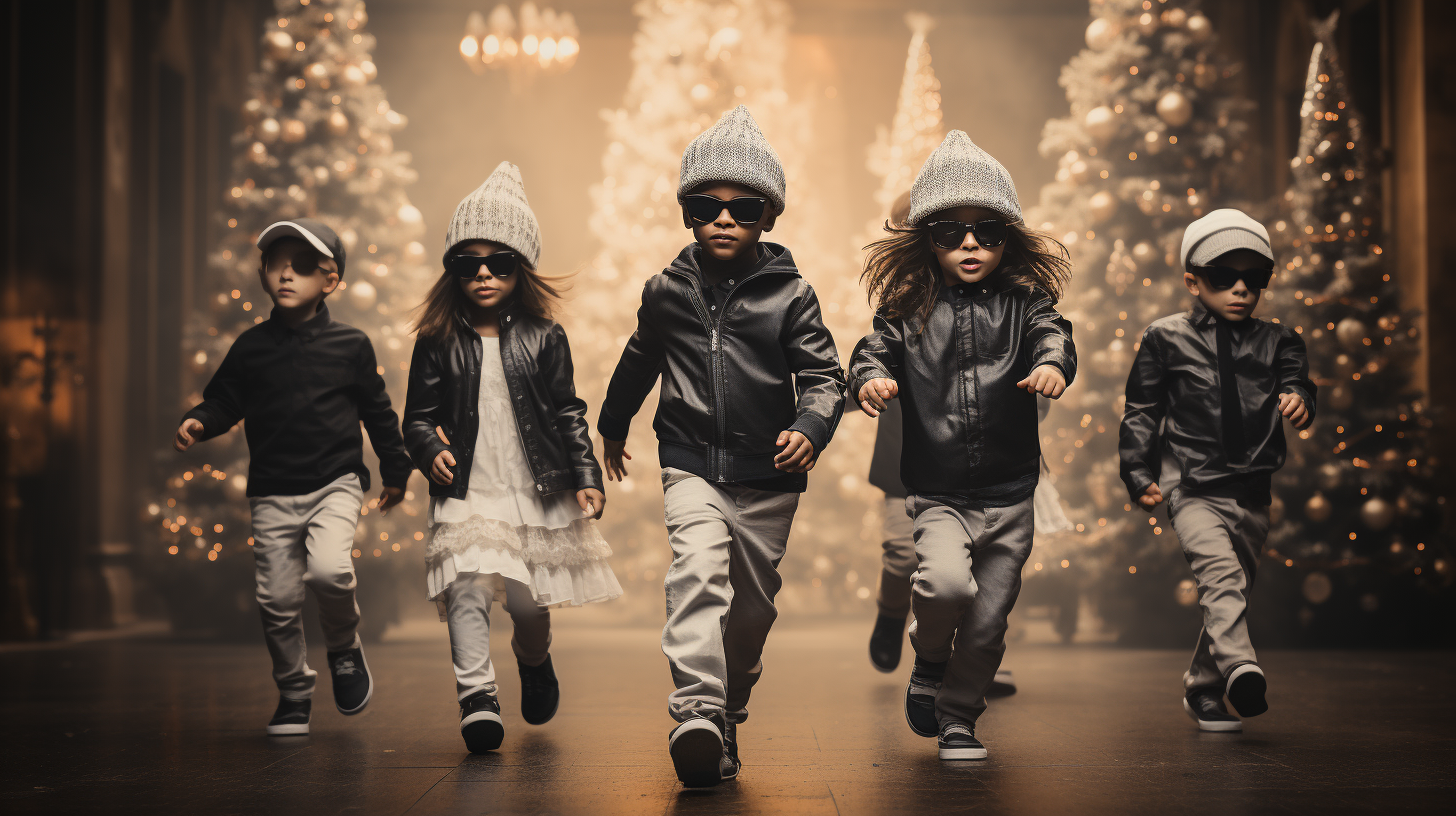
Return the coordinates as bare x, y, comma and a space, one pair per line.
951, 234
745, 210
1224, 277
500, 265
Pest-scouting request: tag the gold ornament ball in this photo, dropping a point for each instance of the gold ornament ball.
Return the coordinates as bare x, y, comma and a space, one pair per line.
1317, 587
1147, 23
1078, 171
1204, 76
1318, 508
1101, 123
1377, 513
1199, 27
253, 110
1330, 475
363, 294
269, 130
1175, 17
353, 75
279, 45
1142, 252
1101, 33
369, 69
1101, 206
1344, 365
1175, 109
317, 71
258, 152
338, 123
294, 130
1351, 333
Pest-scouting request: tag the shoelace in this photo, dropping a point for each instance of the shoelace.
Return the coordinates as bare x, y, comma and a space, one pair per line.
956, 728
345, 665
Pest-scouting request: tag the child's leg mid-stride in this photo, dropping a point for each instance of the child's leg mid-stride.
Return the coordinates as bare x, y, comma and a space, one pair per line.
967, 582
1222, 538
467, 612
307, 539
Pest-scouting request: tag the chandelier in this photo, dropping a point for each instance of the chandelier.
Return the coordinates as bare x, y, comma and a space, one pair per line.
531, 41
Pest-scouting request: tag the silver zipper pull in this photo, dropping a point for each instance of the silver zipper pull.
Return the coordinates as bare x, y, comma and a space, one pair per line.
715, 339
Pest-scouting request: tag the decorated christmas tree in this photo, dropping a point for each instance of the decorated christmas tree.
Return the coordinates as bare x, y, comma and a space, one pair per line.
315, 141
1154, 139
1355, 548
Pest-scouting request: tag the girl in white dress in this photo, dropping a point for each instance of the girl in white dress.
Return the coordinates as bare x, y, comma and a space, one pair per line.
493, 420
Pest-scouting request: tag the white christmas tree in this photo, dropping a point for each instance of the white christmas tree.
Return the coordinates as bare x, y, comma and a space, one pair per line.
900, 150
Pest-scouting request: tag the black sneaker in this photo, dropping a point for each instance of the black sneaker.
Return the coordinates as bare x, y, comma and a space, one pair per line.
958, 741
291, 718
696, 746
352, 684
1205, 706
729, 765
886, 641
1002, 685
480, 722
920, 697
1245, 690
540, 693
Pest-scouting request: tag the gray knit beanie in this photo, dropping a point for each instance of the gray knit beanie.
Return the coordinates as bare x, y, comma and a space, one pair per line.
733, 150
1223, 231
959, 174
497, 211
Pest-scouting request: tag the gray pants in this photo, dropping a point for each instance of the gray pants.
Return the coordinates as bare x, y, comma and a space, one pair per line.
298, 541
1222, 540
727, 542
467, 611
967, 582
898, 561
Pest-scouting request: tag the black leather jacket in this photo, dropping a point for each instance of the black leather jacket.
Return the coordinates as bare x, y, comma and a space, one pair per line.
444, 390
1175, 378
969, 432
733, 377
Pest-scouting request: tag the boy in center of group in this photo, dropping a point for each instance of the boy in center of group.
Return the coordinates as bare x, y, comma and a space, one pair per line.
752, 391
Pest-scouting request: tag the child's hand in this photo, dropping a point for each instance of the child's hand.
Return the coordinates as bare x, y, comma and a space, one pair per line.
187, 434
874, 395
613, 452
444, 460
1292, 406
389, 498
1046, 380
592, 502
1152, 497
797, 455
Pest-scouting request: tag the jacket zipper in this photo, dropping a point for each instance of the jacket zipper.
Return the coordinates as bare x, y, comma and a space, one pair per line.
718, 461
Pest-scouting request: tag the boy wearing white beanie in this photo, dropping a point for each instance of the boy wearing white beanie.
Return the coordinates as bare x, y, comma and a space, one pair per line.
1208, 389
752, 391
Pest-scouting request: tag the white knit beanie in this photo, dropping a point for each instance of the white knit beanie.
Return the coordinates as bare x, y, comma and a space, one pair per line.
960, 174
497, 211
1223, 231
733, 150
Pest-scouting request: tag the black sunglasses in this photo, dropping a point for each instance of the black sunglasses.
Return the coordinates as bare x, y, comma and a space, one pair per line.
745, 209
951, 234
1224, 277
304, 262
500, 265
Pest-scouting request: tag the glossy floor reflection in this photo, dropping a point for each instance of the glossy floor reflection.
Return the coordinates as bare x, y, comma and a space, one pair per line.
167, 727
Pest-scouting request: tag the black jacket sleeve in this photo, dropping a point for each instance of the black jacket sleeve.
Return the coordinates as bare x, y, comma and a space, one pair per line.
1137, 444
570, 419
380, 420
877, 355
818, 377
636, 373
422, 408
222, 403
1292, 362
1050, 335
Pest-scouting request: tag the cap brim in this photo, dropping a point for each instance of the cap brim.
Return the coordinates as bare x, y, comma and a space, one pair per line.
289, 229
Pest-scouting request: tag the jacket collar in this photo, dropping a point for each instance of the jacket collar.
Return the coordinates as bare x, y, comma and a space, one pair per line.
777, 259
308, 329
510, 314
991, 285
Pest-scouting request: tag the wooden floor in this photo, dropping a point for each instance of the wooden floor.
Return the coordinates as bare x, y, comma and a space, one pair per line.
156, 726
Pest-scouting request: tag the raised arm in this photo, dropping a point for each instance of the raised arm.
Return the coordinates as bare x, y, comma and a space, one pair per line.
1049, 335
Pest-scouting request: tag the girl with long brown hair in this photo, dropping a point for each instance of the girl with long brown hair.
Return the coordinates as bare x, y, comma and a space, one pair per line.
965, 336
493, 421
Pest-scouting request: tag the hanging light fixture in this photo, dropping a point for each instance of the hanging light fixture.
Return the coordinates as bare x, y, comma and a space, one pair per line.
530, 41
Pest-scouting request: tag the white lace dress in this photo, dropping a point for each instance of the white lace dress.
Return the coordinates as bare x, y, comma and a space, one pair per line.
504, 528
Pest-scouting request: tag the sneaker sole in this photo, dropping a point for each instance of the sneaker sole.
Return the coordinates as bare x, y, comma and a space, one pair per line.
696, 751
1246, 690
368, 693
919, 732
883, 668
963, 753
483, 731
288, 730
1211, 725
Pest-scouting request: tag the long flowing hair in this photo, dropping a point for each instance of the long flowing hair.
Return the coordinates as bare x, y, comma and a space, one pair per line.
446, 303
902, 274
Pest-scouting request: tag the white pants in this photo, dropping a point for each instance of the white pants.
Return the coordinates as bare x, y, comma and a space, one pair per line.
298, 541
467, 611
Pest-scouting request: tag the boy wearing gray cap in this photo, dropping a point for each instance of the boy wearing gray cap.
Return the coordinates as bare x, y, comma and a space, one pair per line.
1203, 431
304, 382
751, 393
